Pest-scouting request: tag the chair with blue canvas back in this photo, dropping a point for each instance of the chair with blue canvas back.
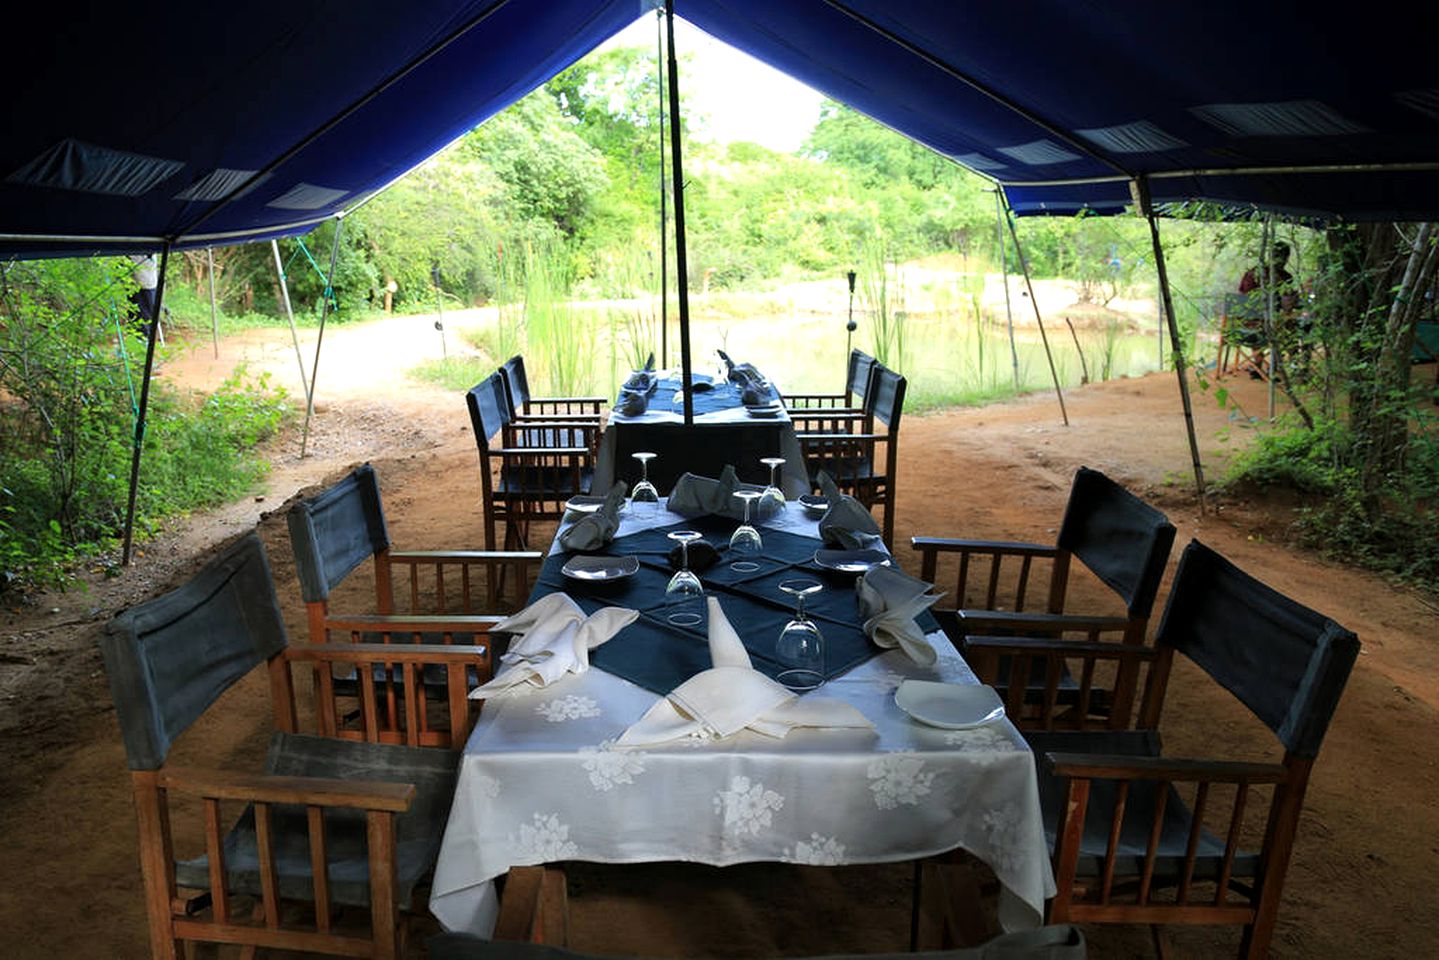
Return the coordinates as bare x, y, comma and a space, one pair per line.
1243, 344
441, 596
1121, 540
528, 471
1130, 829
347, 827
858, 378
864, 463
525, 407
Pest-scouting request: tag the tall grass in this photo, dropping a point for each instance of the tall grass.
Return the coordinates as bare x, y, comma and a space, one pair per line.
883, 299
553, 330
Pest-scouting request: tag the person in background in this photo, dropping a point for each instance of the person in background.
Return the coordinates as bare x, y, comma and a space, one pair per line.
1291, 328
1257, 278
147, 277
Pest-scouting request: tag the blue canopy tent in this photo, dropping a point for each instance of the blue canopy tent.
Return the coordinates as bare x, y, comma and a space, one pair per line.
169, 126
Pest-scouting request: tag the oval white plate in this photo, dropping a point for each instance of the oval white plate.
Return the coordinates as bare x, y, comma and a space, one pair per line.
813, 505
850, 561
590, 567
954, 706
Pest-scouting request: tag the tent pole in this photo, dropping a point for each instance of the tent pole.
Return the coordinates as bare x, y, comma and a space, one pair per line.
214, 316
678, 180
1176, 348
324, 315
290, 315
139, 440
1266, 251
1034, 302
1004, 271
664, 217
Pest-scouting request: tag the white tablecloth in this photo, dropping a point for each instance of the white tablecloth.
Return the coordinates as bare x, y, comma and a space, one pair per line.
541, 781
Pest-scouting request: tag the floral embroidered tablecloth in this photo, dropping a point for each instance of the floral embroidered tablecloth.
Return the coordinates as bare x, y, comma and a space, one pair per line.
542, 781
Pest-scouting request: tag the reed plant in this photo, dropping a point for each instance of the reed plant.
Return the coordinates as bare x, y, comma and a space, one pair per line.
554, 329
883, 299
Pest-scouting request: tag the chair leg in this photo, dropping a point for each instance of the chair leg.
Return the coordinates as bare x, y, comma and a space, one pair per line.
1162, 947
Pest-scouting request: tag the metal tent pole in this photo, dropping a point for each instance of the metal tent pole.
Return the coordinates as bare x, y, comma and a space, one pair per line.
290, 315
214, 316
139, 440
664, 218
1034, 302
678, 179
1146, 206
1266, 276
319, 341
1004, 271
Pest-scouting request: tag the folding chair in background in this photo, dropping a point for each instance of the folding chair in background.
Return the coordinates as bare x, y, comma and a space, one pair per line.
1121, 540
342, 527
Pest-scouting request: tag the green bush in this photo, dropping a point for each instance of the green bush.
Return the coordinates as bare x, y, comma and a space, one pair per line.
69, 383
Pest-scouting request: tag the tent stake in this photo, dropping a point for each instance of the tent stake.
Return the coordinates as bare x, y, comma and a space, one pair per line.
319, 341
1004, 271
139, 441
1034, 302
1176, 348
214, 317
678, 180
290, 315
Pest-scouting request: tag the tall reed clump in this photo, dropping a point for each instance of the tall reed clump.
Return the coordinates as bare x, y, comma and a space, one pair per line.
509, 333
883, 299
554, 329
630, 278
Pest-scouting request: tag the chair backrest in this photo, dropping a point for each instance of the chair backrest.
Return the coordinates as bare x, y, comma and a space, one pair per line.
169, 658
1123, 540
858, 378
336, 531
489, 410
887, 392
1282, 660
516, 383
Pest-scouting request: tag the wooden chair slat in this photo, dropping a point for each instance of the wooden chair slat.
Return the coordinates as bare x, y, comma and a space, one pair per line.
269, 881
319, 867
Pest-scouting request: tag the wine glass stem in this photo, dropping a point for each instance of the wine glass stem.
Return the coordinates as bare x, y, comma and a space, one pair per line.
747, 502
799, 608
772, 468
684, 554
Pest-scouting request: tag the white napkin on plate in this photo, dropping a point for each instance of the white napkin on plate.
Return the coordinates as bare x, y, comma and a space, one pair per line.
732, 696
890, 599
554, 638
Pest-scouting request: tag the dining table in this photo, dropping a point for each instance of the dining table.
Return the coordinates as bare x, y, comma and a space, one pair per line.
724, 431
542, 778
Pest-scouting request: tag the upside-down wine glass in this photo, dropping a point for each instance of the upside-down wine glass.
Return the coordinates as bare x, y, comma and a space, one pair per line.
644, 498
772, 492
800, 647
684, 593
745, 542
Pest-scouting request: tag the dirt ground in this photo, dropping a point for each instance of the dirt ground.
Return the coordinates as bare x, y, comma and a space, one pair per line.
1360, 883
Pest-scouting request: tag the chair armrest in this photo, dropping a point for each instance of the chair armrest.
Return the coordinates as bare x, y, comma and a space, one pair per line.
868, 437
466, 556
1030, 646
1039, 622
551, 401
537, 451
404, 623
304, 791
546, 418
813, 397
1004, 547
421, 653
1092, 766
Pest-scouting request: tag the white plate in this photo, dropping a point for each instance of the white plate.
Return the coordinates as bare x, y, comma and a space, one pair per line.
813, 505
589, 567
584, 503
954, 706
850, 561
766, 411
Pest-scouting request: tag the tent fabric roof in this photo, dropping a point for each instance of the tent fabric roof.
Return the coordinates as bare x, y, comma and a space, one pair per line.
131, 126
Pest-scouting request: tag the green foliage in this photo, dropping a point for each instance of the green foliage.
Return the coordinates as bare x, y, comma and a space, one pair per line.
69, 375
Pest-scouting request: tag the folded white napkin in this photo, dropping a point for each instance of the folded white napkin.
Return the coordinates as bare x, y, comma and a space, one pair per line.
890, 599
732, 696
554, 638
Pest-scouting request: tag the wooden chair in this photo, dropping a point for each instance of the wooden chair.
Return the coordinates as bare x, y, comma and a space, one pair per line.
343, 825
1130, 829
334, 532
525, 407
533, 470
1243, 343
1121, 540
859, 376
864, 463
534, 925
